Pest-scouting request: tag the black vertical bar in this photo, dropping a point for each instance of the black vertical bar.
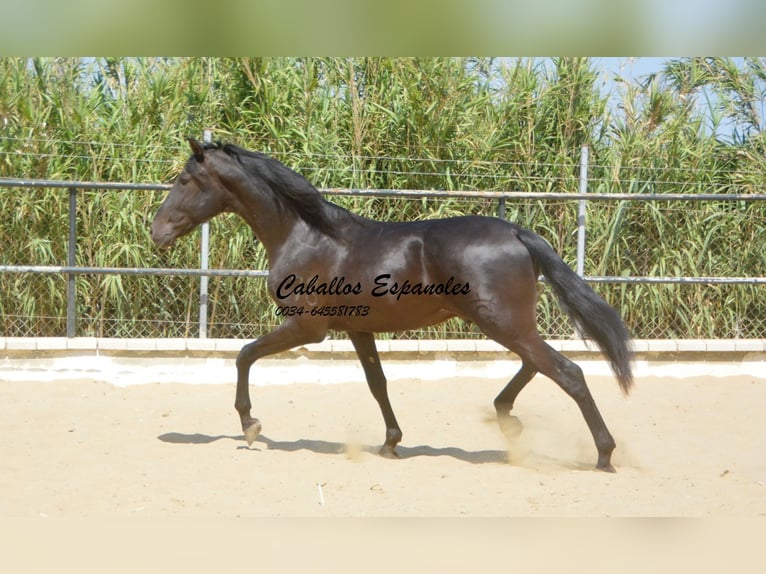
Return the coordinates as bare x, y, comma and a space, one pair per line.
71, 295
501, 208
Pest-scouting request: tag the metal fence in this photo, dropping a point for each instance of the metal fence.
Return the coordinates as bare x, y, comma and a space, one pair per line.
202, 313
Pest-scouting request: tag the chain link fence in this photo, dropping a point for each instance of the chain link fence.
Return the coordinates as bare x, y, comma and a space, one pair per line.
229, 320
37, 292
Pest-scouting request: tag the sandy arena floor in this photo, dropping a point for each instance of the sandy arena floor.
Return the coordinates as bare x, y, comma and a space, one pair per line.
685, 447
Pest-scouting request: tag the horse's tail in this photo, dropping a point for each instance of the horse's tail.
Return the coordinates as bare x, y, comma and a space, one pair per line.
593, 316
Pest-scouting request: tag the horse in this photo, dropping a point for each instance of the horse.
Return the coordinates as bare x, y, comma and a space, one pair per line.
331, 269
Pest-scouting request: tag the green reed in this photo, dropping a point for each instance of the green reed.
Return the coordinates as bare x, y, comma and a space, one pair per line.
393, 123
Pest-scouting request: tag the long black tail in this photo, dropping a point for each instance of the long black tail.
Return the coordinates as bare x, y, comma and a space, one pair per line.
593, 316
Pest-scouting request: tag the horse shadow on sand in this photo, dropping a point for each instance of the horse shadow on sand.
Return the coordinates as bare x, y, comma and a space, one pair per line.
330, 447
324, 447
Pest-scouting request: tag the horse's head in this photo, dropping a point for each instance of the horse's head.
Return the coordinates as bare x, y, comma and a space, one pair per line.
196, 196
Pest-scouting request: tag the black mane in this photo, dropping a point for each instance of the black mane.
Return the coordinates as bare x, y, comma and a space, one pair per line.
293, 190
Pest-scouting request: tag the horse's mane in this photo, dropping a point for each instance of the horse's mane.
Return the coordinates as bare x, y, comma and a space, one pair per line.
293, 191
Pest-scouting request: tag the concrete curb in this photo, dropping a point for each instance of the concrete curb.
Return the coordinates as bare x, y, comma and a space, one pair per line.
39, 346
212, 361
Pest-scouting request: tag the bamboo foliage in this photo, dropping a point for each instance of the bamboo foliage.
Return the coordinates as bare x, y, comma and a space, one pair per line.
400, 123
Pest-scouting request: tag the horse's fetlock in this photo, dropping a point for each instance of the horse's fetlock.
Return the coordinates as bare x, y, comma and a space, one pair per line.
502, 407
393, 436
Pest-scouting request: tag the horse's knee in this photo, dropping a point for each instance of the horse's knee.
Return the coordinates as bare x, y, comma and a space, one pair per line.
246, 356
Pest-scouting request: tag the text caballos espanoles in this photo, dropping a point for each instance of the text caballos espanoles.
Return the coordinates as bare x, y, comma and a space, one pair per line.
383, 286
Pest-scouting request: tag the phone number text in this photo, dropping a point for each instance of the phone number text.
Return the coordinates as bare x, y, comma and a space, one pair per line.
323, 311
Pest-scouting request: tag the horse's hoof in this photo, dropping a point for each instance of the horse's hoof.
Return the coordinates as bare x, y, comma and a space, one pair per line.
510, 426
606, 468
387, 451
252, 431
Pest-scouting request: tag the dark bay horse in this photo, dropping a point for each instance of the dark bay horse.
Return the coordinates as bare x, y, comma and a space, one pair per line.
332, 269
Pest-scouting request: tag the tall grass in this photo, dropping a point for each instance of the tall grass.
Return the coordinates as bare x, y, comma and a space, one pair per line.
401, 123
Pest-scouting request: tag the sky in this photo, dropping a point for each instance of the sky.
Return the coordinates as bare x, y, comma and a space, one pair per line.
635, 69
632, 68
638, 68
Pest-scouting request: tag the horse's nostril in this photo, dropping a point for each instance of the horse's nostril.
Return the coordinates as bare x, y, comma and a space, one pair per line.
162, 235
164, 241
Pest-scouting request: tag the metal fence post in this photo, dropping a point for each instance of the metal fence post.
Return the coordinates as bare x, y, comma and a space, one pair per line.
581, 211
501, 208
71, 294
204, 256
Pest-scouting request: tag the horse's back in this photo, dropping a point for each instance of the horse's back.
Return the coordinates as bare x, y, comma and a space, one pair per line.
473, 238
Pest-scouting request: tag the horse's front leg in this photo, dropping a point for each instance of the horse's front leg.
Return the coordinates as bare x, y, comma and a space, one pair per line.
364, 344
289, 334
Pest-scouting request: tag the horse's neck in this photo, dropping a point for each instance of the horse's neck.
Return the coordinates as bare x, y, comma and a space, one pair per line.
276, 225
270, 223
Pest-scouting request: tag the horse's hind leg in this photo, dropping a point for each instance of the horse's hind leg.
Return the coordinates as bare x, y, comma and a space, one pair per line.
537, 355
570, 378
510, 425
364, 344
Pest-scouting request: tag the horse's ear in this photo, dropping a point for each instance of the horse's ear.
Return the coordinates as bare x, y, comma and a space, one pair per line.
199, 152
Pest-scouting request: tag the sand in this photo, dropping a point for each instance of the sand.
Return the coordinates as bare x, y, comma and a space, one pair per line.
685, 447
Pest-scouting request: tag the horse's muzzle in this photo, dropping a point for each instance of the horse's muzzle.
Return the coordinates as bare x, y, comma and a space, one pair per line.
164, 236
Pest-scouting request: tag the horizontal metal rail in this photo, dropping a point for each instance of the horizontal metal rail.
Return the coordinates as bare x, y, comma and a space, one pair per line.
414, 193
103, 185
53, 269
178, 271
653, 280
552, 195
